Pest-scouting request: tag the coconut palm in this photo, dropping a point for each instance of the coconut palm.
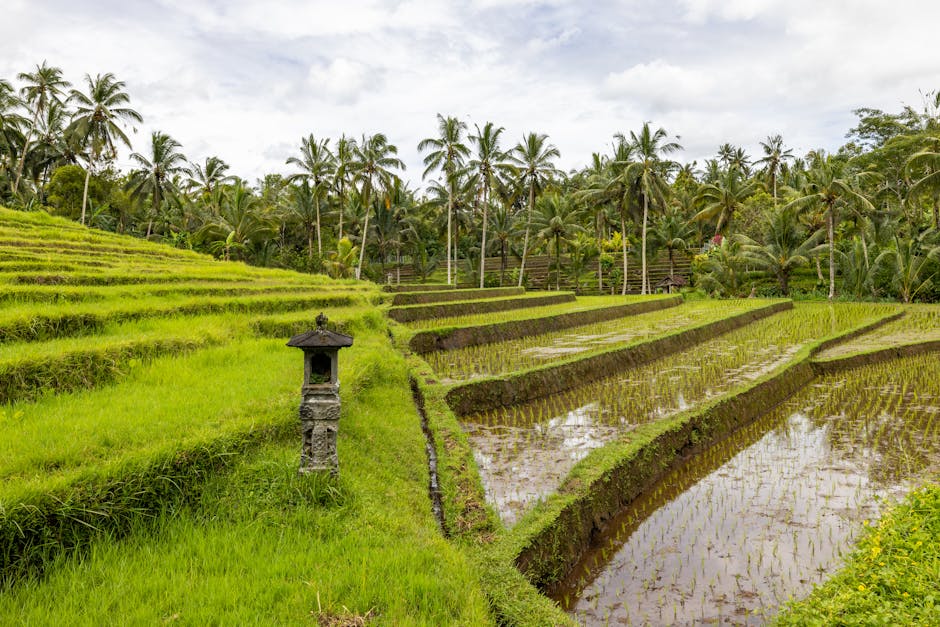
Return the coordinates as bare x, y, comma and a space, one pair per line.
206, 178
775, 158
155, 175
723, 197
673, 232
98, 118
342, 177
240, 223
557, 220
785, 247
488, 162
43, 88
317, 165
925, 167
447, 152
533, 158
645, 177
832, 184
913, 261
372, 164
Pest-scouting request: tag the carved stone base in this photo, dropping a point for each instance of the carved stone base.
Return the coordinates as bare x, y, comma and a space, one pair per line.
319, 421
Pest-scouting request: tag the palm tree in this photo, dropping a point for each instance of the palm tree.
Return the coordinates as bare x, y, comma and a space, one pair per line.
317, 166
155, 175
831, 184
785, 247
912, 261
724, 197
373, 160
302, 206
240, 222
488, 162
447, 154
558, 220
673, 232
97, 121
344, 155
774, 159
925, 164
208, 177
533, 158
646, 177
42, 90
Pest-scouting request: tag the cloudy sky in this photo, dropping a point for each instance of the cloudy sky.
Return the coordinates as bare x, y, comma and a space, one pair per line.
245, 80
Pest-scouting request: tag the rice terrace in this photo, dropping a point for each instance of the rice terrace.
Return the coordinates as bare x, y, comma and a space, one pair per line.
641, 391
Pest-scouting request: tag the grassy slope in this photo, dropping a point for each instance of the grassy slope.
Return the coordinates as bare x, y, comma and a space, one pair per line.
252, 542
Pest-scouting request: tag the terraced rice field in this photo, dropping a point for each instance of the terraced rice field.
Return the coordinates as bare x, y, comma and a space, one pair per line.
768, 513
583, 303
537, 350
149, 445
525, 451
921, 323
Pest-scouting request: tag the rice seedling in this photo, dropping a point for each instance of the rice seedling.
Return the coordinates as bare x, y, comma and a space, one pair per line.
542, 440
583, 303
921, 323
536, 350
766, 514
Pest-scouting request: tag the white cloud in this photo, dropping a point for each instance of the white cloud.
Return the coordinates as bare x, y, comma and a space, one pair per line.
343, 80
246, 80
661, 85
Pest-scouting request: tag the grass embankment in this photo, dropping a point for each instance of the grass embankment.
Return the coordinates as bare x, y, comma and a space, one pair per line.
170, 491
538, 350
582, 303
259, 544
411, 313
892, 576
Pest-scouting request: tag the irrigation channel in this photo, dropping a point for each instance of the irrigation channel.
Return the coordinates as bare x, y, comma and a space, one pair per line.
765, 514
525, 451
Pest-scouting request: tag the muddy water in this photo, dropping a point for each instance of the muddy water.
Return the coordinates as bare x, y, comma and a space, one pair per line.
769, 512
524, 452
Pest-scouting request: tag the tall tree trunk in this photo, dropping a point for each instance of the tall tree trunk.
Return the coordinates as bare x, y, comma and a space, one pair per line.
85, 193
819, 274
365, 231
936, 213
342, 209
19, 167
310, 245
316, 201
557, 264
600, 267
832, 256
483, 240
644, 289
623, 240
502, 261
450, 210
528, 223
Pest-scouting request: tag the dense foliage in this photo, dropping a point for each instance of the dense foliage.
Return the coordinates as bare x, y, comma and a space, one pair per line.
862, 222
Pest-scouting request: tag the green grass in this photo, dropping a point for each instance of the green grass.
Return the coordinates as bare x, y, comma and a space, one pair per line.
891, 578
920, 323
537, 350
583, 303
260, 544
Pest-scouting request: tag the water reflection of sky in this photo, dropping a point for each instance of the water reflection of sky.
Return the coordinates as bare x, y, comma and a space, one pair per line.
763, 517
520, 465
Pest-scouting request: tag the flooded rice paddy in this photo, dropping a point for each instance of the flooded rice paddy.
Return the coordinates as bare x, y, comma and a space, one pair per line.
764, 515
921, 323
537, 350
525, 451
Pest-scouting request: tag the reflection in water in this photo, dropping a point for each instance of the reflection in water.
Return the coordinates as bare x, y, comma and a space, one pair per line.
520, 465
521, 459
766, 514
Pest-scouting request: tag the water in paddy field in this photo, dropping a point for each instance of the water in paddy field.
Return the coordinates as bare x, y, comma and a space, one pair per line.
524, 452
764, 515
